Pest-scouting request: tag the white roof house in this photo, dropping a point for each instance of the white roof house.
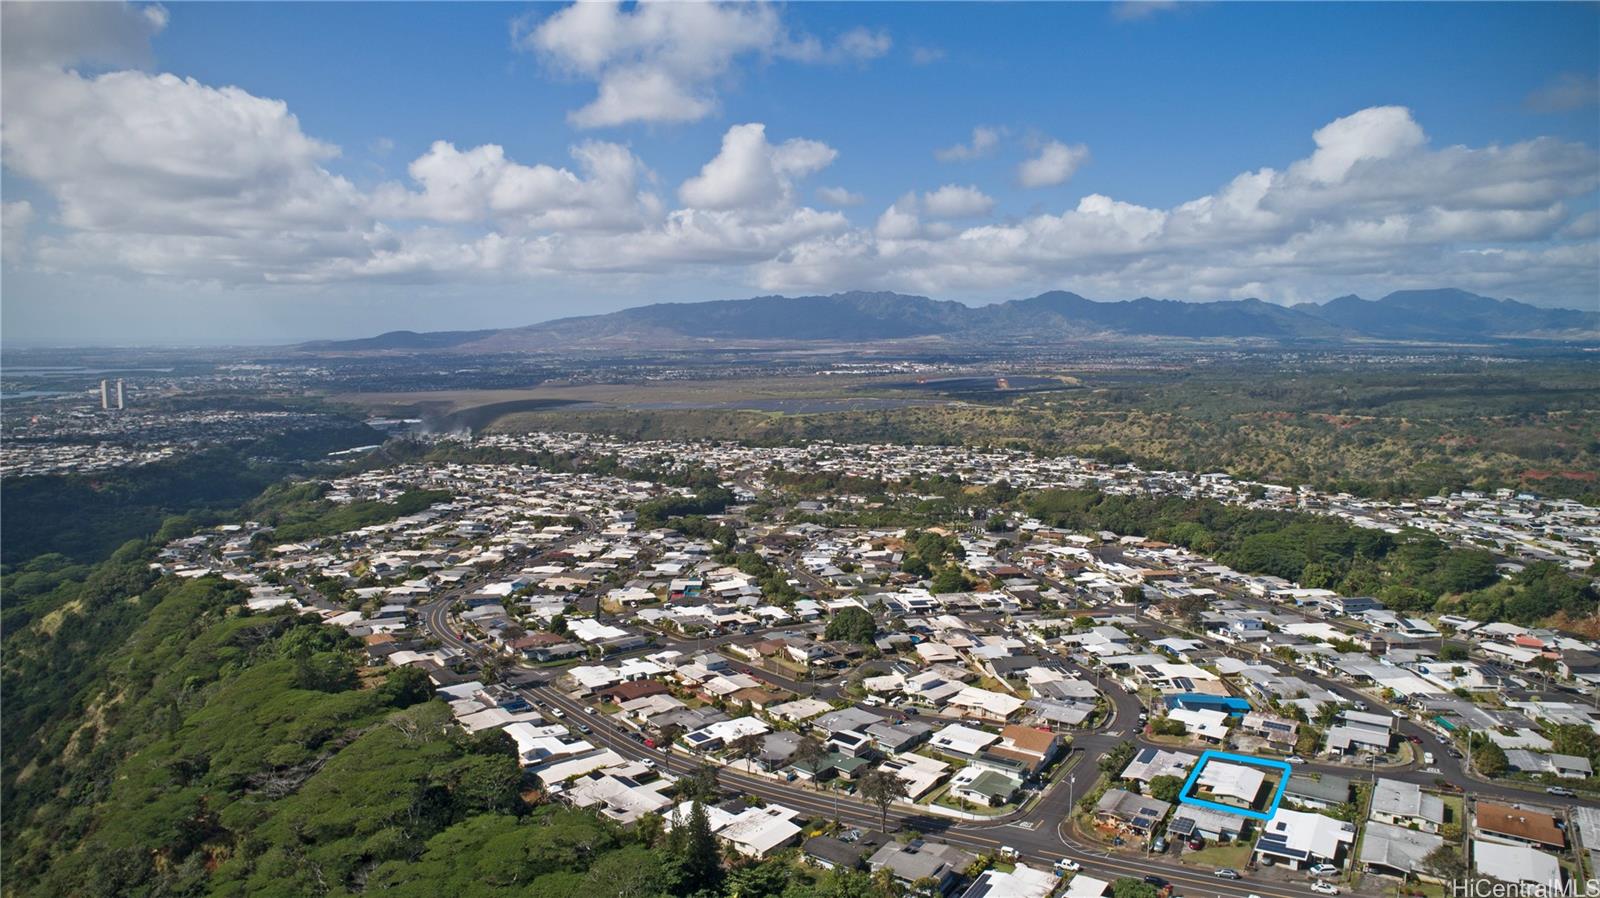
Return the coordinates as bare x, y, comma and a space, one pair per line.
1518, 865
962, 740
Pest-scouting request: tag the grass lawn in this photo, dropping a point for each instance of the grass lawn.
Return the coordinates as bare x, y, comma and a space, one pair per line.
1231, 854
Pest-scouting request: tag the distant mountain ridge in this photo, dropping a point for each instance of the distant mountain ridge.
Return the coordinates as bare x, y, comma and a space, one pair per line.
1444, 315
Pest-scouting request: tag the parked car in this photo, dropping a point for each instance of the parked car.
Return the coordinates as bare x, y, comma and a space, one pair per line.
1196, 843
1226, 873
1159, 846
1323, 870
1295, 759
1324, 888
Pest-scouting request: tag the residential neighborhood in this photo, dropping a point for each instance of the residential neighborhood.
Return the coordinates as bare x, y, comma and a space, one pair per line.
1063, 689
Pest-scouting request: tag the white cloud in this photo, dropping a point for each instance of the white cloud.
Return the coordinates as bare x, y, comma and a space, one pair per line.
481, 183
984, 141
164, 154
839, 196
926, 55
165, 178
1380, 132
954, 201
662, 61
750, 173
15, 220
1054, 164
63, 34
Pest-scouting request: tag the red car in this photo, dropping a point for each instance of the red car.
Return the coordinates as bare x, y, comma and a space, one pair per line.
1413, 740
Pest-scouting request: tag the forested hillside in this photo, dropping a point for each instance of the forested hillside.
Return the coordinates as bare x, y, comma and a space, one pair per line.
219, 752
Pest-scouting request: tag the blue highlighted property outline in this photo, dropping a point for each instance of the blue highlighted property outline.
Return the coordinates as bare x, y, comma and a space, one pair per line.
1272, 807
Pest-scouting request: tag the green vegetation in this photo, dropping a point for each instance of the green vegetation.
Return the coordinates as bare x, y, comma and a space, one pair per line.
299, 511
853, 625
1391, 428
1410, 572
85, 517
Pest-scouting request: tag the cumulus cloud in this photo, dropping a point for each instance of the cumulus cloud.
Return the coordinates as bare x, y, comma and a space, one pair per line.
661, 62
984, 141
750, 173
954, 201
157, 176
1053, 164
481, 183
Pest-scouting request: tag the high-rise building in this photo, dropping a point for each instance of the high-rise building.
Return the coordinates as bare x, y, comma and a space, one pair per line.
105, 394
119, 394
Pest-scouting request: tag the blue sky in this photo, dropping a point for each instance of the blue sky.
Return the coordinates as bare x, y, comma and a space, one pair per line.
1466, 157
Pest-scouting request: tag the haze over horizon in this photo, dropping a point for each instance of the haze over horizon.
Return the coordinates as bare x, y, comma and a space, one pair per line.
168, 179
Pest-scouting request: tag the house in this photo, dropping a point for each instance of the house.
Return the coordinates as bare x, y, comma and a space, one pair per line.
1531, 870
1134, 813
1277, 730
1514, 824
921, 860
1390, 850
1193, 820
1317, 790
1349, 740
843, 851
752, 832
1034, 749
1564, 766
1405, 804
1021, 882
1199, 701
960, 739
984, 786
1301, 840
1149, 763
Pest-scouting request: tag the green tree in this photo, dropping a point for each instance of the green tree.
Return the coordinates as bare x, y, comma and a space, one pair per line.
883, 788
702, 858
852, 624
1166, 788
1489, 758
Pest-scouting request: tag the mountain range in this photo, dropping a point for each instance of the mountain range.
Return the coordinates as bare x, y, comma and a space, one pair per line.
1428, 316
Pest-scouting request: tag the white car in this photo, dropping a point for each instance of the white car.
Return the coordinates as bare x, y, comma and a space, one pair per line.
1323, 870
1295, 759
1324, 888
1068, 865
